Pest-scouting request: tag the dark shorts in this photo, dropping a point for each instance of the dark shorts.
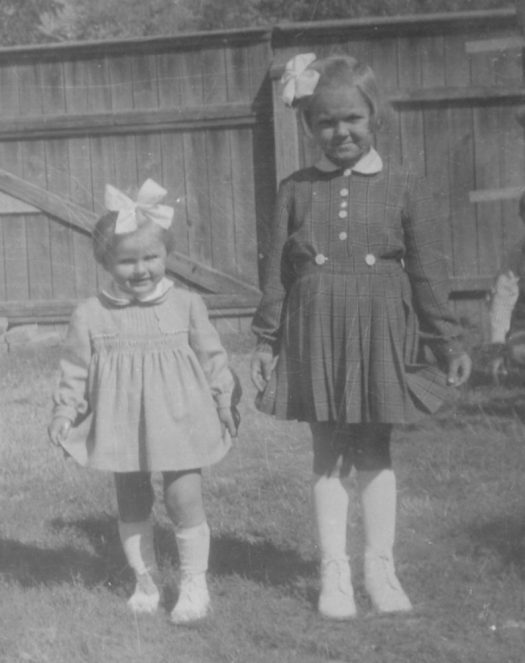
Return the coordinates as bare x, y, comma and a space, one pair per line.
363, 446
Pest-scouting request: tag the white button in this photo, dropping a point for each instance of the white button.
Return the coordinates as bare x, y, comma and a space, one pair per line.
344, 192
320, 259
370, 259
343, 214
344, 204
343, 235
347, 172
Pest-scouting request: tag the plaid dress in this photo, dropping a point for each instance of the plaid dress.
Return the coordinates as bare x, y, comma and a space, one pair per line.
356, 280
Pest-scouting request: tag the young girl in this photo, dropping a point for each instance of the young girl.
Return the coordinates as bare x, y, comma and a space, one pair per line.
144, 362
356, 279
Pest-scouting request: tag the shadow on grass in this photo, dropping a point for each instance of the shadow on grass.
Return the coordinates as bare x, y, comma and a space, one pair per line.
503, 536
509, 405
30, 565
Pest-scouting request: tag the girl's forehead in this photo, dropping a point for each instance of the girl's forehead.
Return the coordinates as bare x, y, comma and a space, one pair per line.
146, 238
342, 98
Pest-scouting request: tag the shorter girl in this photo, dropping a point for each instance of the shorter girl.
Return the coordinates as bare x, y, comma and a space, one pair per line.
145, 386
356, 281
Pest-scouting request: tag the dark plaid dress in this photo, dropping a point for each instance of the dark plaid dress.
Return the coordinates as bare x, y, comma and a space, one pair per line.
352, 289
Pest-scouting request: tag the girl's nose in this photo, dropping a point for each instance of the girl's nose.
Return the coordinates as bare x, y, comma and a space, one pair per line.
341, 129
140, 268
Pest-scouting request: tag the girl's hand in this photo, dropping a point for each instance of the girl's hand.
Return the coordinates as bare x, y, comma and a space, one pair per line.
58, 430
459, 370
262, 365
226, 418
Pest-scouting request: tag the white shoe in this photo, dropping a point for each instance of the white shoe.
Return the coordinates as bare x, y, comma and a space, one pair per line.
336, 600
382, 584
194, 601
146, 597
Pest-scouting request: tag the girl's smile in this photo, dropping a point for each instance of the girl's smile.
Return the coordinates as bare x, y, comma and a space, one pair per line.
138, 262
340, 121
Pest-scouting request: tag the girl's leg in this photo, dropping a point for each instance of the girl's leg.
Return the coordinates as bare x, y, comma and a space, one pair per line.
135, 500
377, 485
330, 498
183, 495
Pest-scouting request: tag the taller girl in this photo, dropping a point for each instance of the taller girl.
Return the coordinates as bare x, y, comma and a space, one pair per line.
356, 281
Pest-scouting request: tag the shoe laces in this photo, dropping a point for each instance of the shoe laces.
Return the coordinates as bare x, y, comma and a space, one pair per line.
338, 570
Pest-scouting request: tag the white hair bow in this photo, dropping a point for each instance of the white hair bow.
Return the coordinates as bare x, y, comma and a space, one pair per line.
133, 214
298, 81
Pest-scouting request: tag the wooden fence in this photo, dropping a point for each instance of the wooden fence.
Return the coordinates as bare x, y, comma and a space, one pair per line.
198, 114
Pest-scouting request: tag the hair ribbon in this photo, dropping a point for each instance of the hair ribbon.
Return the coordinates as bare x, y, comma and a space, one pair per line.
298, 80
147, 207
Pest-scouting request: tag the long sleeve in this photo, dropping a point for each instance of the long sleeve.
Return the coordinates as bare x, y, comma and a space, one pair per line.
206, 343
70, 397
426, 266
267, 319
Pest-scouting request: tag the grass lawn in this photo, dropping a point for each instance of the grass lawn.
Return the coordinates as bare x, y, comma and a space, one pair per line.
460, 546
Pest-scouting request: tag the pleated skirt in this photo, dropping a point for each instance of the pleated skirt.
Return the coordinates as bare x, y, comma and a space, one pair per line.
349, 350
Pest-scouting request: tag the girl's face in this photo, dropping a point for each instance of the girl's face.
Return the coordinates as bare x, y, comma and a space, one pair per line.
340, 121
138, 261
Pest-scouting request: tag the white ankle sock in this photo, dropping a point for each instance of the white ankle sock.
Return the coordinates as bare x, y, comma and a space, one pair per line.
193, 544
331, 512
378, 497
137, 541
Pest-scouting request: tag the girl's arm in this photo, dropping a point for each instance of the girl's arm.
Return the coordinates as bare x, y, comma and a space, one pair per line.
70, 398
267, 319
206, 343
426, 266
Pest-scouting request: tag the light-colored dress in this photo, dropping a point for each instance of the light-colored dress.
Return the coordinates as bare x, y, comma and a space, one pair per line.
141, 381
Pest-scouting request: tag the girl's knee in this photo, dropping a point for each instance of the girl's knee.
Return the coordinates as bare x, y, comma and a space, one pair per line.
134, 496
183, 497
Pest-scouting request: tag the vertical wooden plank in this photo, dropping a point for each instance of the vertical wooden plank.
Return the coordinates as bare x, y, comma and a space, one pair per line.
508, 70
197, 192
29, 90
145, 86
149, 158
384, 60
223, 237
487, 132
173, 179
248, 228
169, 80
120, 75
3, 249
98, 83
62, 253
213, 76
16, 267
51, 81
435, 123
75, 86
411, 120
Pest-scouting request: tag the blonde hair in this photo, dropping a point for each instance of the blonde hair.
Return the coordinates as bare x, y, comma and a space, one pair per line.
338, 71
105, 239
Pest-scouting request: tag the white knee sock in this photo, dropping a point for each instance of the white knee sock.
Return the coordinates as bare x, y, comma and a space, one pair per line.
378, 497
193, 545
137, 541
331, 512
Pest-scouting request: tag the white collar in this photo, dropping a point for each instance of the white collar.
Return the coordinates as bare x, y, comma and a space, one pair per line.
118, 297
369, 164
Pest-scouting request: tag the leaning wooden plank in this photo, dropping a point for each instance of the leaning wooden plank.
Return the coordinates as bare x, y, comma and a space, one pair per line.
54, 205
53, 310
492, 195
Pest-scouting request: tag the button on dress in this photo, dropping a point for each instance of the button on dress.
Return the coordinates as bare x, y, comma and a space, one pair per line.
349, 329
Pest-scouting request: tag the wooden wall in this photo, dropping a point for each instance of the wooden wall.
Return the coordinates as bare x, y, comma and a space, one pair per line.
454, 86
186, 111
198, 114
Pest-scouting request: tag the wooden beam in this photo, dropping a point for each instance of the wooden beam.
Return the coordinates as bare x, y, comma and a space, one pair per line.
10, 205
56, 311
494, 45
457, 95
190, 270
493, 195
134, 122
